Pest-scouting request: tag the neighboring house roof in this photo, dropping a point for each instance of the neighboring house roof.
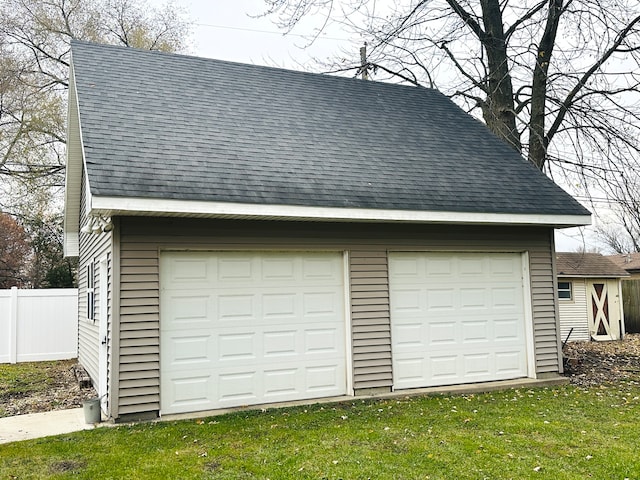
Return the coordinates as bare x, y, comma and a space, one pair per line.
187, 135
587, 265
629, 261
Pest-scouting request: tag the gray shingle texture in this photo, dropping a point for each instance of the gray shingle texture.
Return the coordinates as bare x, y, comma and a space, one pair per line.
629, 261
587, 265
159, 125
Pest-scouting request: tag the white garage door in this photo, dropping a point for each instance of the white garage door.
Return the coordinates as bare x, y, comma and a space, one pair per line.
242, 328
456, 318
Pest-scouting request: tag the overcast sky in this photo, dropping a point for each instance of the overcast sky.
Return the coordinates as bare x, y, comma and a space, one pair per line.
231, 30
235, 30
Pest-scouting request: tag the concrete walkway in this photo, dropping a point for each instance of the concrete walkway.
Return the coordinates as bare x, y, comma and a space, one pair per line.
36, 425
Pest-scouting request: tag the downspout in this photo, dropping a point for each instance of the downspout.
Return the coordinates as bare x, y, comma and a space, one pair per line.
114, 365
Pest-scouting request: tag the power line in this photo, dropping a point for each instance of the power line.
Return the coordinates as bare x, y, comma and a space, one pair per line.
270, 32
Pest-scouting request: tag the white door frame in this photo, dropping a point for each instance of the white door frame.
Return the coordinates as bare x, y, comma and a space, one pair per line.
348, 347
529, 332
103, 332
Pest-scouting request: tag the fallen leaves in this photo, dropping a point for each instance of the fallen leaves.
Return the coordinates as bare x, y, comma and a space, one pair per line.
598, 363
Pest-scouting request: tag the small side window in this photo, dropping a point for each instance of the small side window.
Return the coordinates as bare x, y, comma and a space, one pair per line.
564, 291
91, 297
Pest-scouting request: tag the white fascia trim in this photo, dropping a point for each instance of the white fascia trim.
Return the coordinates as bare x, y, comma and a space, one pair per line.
88, 200
72, 179
71, 245
144, 206
593, 276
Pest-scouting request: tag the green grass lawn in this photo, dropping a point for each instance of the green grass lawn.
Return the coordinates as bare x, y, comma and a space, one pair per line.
559, 433
25, 378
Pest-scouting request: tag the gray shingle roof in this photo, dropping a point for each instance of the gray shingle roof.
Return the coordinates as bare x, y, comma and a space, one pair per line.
158, 125
629, 261
577, 264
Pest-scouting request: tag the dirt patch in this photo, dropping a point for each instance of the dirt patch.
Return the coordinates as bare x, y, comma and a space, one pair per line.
600, 363
62, 391
67, 466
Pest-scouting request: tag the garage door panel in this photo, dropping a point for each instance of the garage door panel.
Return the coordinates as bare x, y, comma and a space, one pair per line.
280, 305
317, 270
281, 343
456, 318
477, 365
439, 267
475, 331
443, 369
237, 346
504, 266
408, 371
469, 267
409, 300
322, 341
474, 298
236, 388
187, 310
442, 333
232, 269
236, 308
441, 299
189, 392
405, 269
508, 362
408, 336
277, 269
190, 350
509, 329
322, 303
281, 383
272, 327
184, 272
506, 298
324, 378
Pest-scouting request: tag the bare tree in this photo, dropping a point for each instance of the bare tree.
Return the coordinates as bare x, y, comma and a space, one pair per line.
34, 69
619, 230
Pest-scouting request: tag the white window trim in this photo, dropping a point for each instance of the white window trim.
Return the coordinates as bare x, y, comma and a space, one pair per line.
570, 290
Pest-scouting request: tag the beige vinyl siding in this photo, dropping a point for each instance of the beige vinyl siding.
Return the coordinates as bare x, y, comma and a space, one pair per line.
370, 320
142, 239
573, 313
139, 362
93, 247
545, 322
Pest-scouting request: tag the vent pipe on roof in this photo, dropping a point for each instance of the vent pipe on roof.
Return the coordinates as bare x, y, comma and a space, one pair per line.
364, 65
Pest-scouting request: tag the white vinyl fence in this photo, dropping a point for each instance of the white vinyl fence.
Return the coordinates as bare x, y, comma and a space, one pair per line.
37, 325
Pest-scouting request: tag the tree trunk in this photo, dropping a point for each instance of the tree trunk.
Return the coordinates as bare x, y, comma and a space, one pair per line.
499, 111
538, 140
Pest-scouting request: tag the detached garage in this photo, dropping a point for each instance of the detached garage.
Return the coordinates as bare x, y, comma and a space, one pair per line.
250, 235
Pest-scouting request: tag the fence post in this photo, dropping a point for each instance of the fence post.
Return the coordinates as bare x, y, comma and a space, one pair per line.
13, 326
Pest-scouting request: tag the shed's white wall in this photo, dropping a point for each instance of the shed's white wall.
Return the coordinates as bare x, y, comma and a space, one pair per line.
573, 313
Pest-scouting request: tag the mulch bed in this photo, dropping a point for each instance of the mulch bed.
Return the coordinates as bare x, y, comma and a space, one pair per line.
587, 364
64, 392
599, 363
